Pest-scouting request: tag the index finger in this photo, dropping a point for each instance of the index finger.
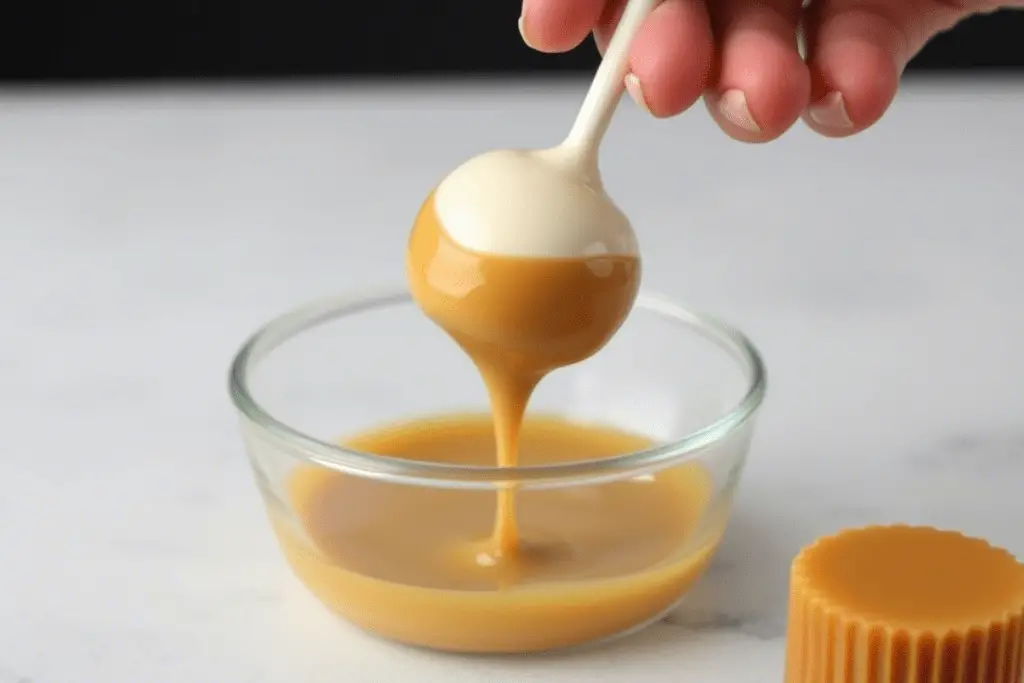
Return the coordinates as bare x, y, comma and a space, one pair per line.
558, 25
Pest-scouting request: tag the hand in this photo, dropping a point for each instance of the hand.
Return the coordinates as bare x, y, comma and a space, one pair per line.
741, 55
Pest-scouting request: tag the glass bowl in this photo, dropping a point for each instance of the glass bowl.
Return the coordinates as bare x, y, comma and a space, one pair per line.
688, 383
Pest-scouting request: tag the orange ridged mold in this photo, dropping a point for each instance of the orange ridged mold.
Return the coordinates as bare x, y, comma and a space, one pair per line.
903, 604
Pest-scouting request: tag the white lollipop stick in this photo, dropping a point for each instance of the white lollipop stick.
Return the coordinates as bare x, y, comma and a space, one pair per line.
598, 106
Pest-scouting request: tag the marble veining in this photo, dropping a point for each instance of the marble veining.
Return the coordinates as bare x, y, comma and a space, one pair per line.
145, 235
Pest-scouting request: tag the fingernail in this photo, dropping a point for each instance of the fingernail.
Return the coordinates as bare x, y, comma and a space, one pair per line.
830, 112
522, 32
732, 105
636, 92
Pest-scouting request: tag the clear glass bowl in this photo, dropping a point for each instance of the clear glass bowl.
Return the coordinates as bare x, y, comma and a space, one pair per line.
339, 366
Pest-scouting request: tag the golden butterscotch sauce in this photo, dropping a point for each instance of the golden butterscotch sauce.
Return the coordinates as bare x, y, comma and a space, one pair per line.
415, 563
904, 604
518, 319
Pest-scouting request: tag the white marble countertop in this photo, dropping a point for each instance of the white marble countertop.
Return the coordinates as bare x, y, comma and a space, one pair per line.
145, 235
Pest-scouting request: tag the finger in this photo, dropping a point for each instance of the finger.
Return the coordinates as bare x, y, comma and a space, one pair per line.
670, 59
859, 48
558, 25
607, 22
763, 84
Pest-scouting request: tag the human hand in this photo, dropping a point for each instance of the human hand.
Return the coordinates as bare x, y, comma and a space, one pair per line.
741, 55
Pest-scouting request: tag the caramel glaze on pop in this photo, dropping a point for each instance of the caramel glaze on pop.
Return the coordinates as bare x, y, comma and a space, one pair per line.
576, 305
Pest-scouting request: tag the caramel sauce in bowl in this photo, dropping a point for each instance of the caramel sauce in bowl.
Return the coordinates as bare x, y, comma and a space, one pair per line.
367, 430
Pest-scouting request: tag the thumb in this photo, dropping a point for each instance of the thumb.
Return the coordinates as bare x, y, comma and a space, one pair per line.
857, 51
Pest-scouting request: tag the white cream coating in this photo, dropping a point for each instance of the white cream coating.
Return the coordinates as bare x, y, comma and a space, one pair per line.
548, 203
531, 203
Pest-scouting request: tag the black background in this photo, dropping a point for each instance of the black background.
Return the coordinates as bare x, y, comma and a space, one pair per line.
87, 40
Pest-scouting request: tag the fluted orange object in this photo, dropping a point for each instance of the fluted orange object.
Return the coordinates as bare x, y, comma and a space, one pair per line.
902, 604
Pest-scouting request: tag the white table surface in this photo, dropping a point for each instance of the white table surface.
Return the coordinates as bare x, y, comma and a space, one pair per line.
146, 234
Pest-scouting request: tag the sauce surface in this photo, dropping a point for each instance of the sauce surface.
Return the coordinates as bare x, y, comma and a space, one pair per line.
593, 560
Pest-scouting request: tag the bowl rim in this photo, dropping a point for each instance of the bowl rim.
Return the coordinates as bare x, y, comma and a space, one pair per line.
304, 447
